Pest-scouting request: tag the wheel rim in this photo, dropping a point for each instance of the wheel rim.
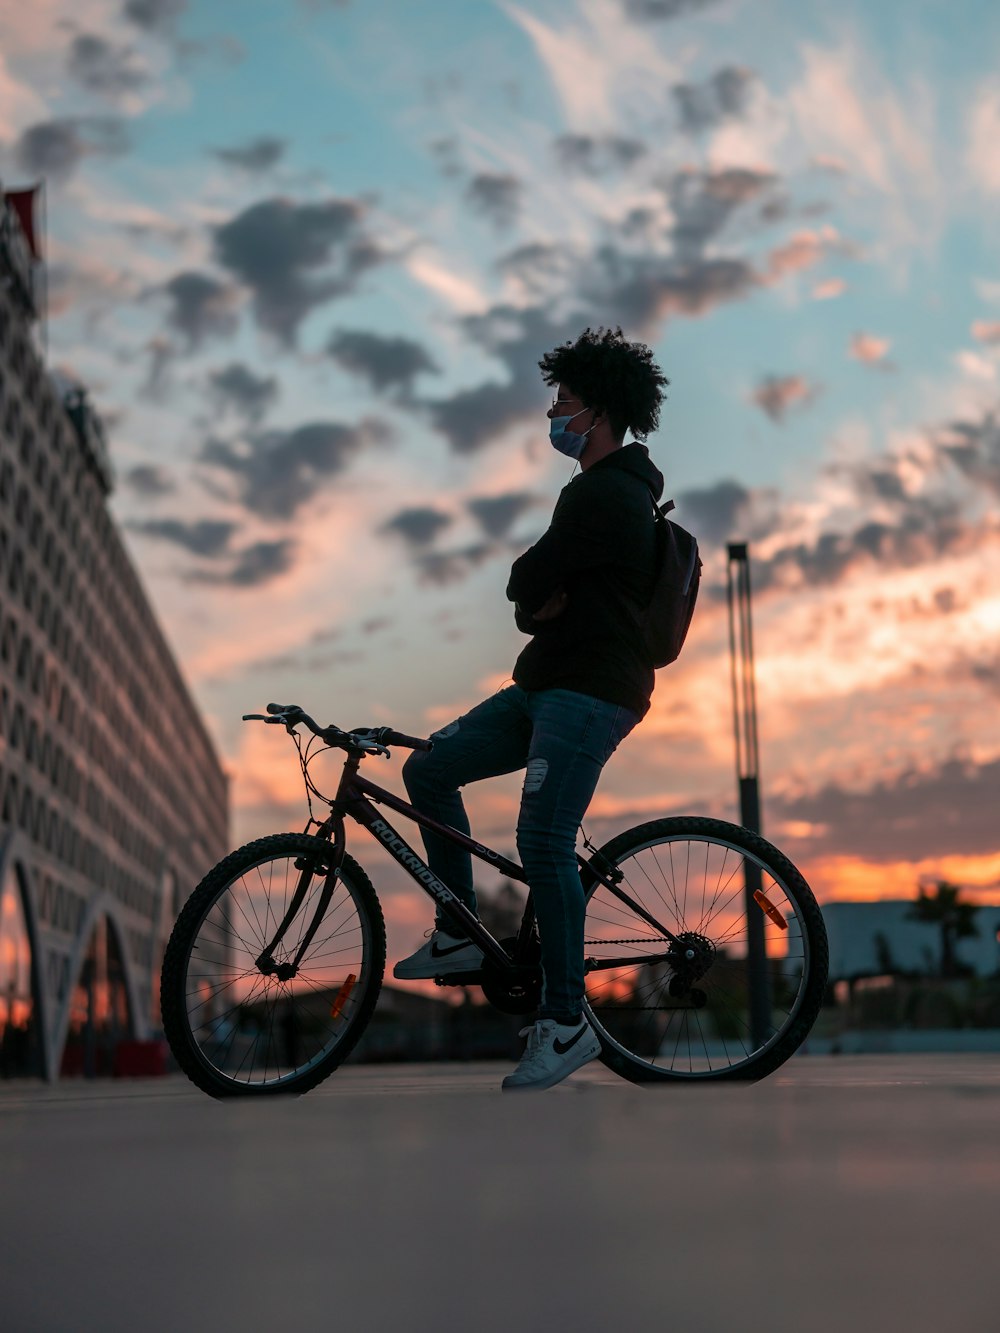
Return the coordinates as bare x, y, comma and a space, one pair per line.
694, 885
262, 1032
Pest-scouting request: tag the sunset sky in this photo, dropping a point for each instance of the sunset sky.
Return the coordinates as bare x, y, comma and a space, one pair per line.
306, 257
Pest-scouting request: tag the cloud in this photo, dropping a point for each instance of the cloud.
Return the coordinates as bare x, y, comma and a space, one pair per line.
650, 10
639, 291
975, 366
870, 350
278, 471
702, 203
254, 566
923, 533
81, 280
595, 155
925, 495
56, 148
497, 197
973, 447
445, 567
258, 155
600, 68
473, 418
982, 152
496, 514
447, 156
103, 68
237, 387
532, 263
986, 330
805, 249
149, 481
843, 113
201, 306
419, 526
294, 257
161, 353
725, 96
917, 815
776, 394
386, 363
375, 624
828, 289
154, 16
882, 481
714, 512
204, 537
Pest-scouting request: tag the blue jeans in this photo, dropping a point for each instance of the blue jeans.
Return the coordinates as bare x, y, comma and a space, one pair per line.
563, 740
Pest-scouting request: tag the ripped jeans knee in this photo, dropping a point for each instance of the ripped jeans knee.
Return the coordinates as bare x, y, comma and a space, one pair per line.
534, 775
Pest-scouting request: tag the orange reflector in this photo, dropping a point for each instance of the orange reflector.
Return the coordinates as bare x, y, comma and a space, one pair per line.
765, 905
340, 999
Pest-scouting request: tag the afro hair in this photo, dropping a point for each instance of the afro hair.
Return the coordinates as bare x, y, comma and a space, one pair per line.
612, 375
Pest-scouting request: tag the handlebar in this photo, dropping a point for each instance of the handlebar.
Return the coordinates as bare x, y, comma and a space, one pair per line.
372, 740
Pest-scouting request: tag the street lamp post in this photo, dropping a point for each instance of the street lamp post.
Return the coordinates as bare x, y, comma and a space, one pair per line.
747, 774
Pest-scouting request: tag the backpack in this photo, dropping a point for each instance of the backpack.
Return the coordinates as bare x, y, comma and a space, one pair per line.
663, 622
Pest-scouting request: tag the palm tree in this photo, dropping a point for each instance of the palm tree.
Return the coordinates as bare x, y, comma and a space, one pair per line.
954, 919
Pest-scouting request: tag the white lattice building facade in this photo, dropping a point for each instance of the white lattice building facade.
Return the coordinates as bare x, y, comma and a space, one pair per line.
113, 802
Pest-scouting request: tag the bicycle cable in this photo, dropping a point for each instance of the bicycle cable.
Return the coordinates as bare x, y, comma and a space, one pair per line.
311, 788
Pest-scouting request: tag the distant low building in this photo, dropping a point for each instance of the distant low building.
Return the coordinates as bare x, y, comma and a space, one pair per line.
113, 802
870, 939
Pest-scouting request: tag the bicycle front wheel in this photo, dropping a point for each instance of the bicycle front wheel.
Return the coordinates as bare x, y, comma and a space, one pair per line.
236, 1028
738, 991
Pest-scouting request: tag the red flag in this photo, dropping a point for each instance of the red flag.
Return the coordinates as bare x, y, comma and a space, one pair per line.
23, 204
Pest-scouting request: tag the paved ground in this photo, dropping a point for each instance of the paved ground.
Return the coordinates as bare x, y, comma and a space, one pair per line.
852, 1194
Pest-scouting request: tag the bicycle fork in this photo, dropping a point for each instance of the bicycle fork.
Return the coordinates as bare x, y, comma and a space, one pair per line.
285, 971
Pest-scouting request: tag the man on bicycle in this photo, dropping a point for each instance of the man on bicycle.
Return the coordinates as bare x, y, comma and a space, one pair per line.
580, 685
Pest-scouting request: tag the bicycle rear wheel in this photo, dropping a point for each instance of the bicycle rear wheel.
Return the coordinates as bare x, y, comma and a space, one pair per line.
740, 992
236, 1030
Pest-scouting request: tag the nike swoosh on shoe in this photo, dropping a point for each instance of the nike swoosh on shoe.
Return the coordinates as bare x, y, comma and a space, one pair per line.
443, 953
561, 1048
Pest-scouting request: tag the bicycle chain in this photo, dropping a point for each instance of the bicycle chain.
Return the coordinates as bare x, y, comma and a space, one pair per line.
644, 939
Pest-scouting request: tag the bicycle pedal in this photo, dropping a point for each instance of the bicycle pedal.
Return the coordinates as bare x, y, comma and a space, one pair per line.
459, 979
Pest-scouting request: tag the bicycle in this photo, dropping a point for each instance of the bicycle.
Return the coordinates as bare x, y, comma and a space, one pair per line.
261, 996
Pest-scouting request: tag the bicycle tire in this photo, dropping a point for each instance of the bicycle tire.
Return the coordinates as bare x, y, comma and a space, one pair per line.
785, 890
192, 1049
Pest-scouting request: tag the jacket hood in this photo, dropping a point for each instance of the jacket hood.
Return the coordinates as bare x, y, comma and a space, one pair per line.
634, 457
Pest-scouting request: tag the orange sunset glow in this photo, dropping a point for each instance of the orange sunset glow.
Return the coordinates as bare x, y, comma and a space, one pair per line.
317, 357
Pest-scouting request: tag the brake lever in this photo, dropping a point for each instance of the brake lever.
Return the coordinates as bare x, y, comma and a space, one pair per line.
364, 737
375, 747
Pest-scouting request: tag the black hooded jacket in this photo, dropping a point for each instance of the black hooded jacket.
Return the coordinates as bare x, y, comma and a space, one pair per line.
600, 548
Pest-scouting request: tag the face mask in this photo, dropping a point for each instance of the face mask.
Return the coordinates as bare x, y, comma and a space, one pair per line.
568, 442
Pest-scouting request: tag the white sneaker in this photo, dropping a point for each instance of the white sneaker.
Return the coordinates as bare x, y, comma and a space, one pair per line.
442, 955
553, 1050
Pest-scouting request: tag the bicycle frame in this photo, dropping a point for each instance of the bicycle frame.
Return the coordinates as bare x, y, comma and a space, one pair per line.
356, 799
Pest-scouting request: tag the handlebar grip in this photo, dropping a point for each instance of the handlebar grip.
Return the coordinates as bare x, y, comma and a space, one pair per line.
410, 742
